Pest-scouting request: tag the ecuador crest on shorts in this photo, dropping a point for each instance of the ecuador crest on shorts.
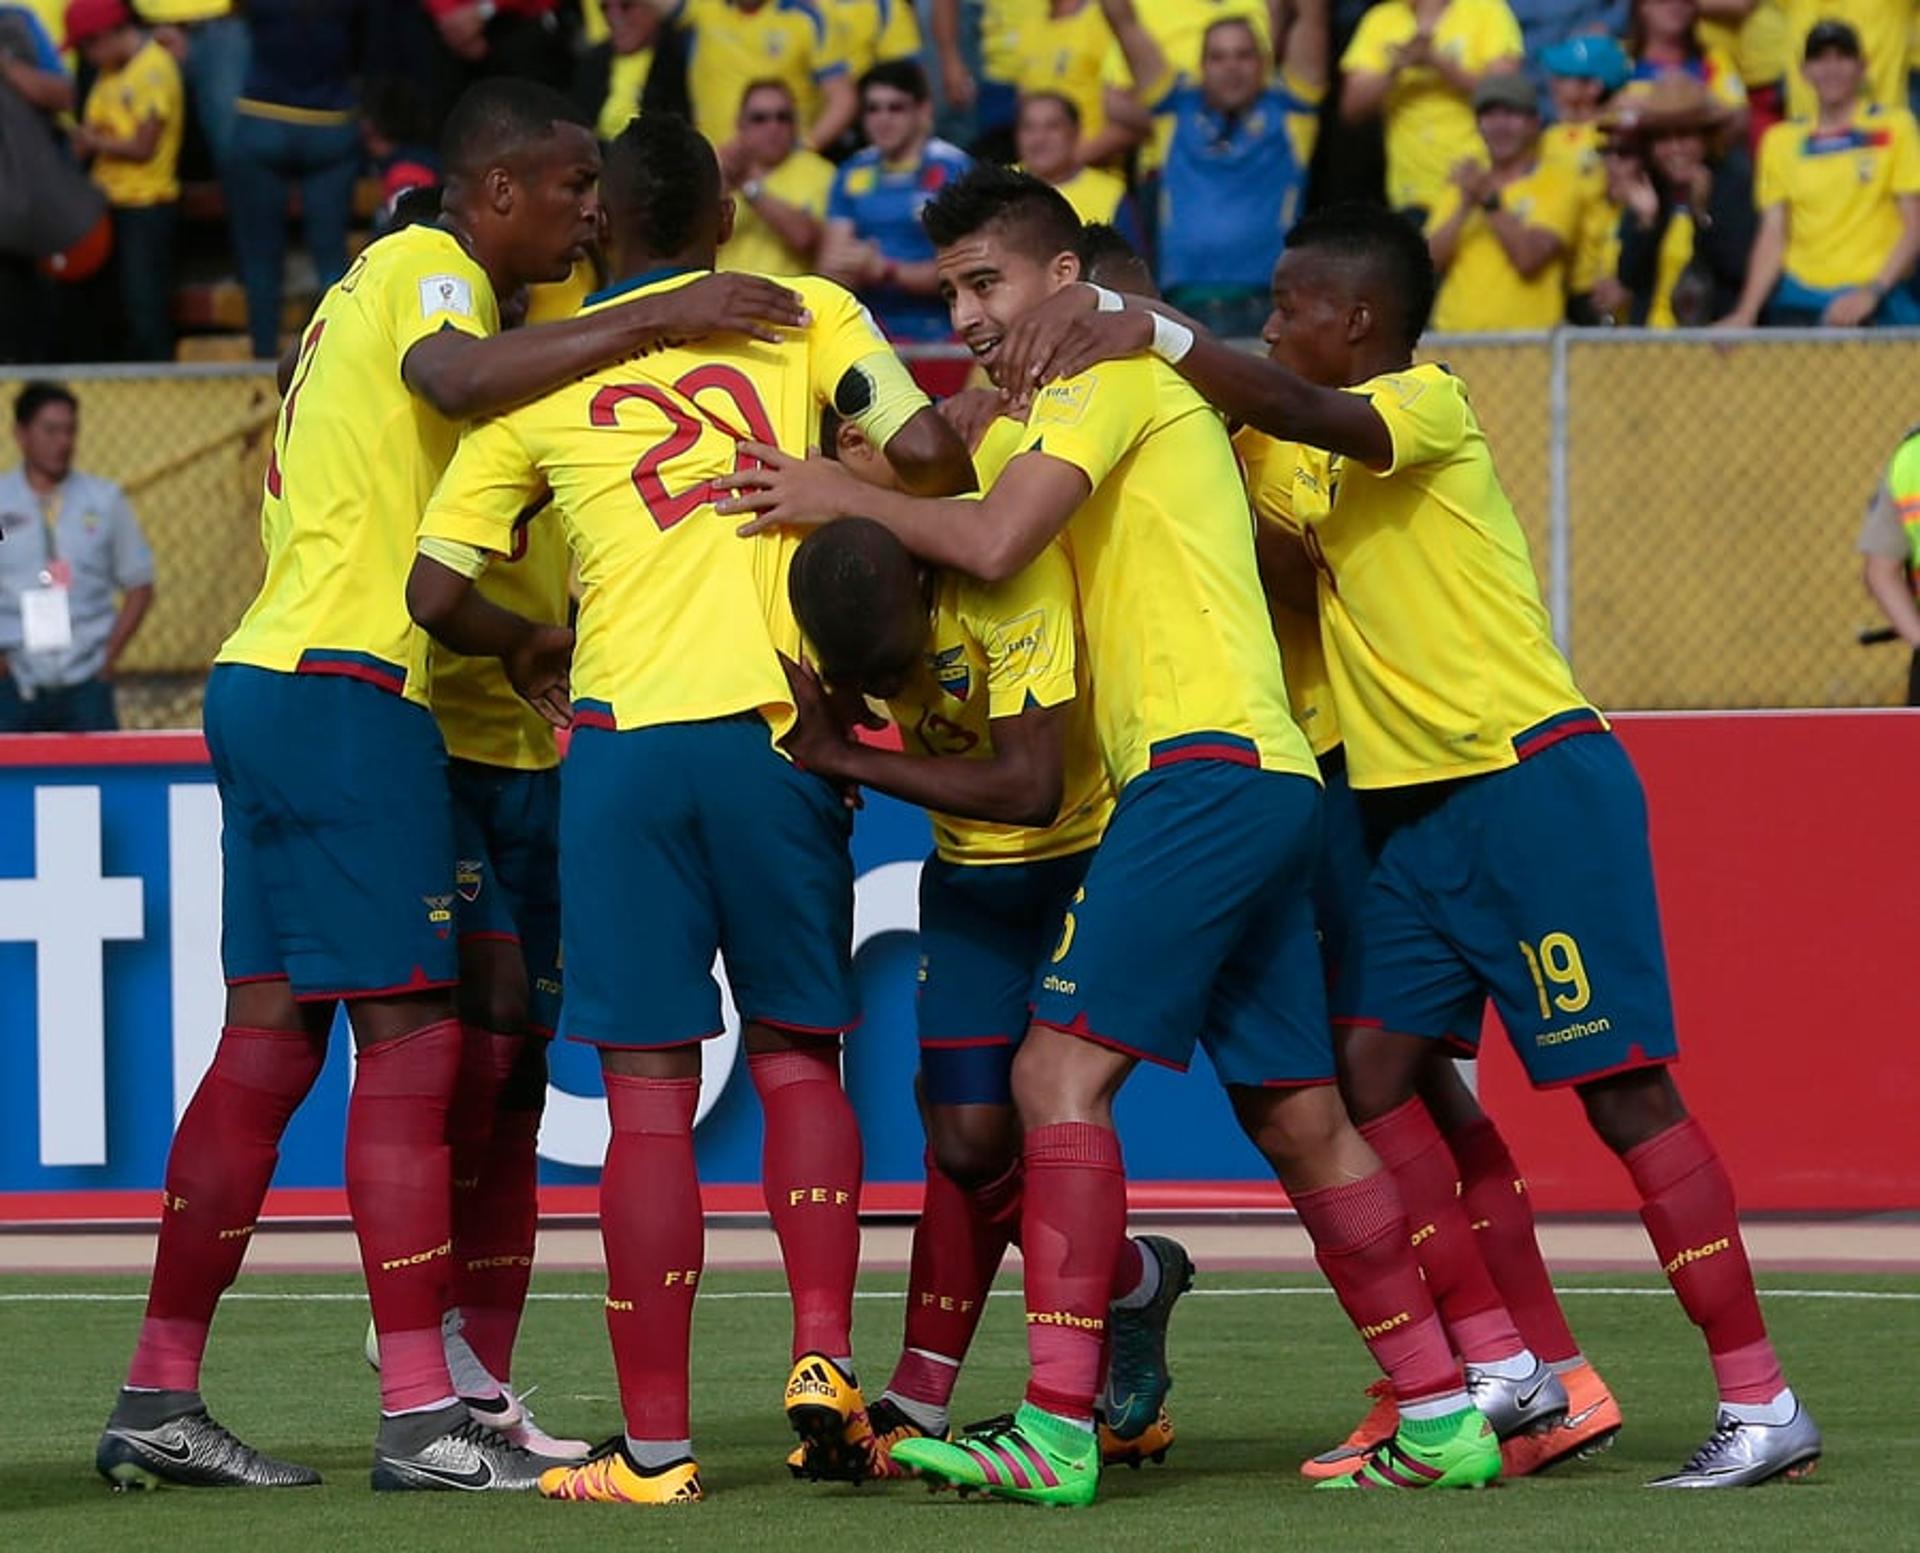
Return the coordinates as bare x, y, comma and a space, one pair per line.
469, 873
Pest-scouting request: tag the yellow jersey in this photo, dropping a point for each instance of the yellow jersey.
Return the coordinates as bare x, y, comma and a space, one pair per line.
626, 80
1180, 651
1676, 253
995, 649
1481, 289
147, 86
1430, 126
1069, 55
1437, 642
1003, 35
1841, 192
1094, 193
862, 33
1884, 26
481, 716
1269, 465
679, 618
729, 48
1757, 46
355, 457
803, 180
1596, 253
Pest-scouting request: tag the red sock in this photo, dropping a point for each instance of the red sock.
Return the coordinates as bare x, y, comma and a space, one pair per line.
1411, 1147
1688, 1208
217, 1175
1072, 1224
958, 1244
810, 1172
1359, 1234
655, 1239
398, 1170
1501, 1213
495, 1207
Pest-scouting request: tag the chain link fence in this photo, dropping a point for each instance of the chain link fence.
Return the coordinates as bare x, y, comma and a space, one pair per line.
1691, 501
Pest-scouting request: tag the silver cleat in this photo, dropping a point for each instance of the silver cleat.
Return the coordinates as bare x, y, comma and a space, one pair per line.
447, 1450
1741, 1455
1525, 1406
189, 1451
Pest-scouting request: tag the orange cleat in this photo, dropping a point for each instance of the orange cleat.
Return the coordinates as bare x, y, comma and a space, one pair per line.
1351, 1453
1593, 1419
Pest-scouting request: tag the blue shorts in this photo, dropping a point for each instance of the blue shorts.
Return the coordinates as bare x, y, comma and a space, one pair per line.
1532, 885
984, 929
1340, 876
690, 838
506, 871
1196, 924
336, 835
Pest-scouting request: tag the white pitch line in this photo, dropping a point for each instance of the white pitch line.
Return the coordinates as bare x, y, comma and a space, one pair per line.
289, 1297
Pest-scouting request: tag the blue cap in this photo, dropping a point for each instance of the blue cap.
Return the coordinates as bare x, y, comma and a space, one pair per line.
1592, 57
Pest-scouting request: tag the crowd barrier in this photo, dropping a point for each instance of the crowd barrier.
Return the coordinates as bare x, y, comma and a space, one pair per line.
1783, 842
1691, 500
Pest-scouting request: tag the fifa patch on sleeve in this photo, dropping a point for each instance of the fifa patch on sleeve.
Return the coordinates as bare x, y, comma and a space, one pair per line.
1062, 404
445, 294
1019, 647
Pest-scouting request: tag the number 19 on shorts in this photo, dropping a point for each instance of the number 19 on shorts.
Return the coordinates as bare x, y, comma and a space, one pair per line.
1559, 975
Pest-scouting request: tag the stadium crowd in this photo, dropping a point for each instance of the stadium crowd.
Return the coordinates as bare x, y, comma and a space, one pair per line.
1657, 163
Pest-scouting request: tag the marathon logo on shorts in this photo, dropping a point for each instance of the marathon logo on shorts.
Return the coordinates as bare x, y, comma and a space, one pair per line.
419, 1258
1066, 1318
1698, 1254
467, 878
1060, 984
1578, 1030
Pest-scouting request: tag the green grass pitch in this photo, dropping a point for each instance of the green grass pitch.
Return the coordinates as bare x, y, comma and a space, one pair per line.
1267, 1372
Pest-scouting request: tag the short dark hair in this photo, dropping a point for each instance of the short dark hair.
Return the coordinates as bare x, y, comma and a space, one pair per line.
1103, 245
988, 194
848, 580
902, 75
37, 395
1386, 246
495, 119
1065, 103
661, 183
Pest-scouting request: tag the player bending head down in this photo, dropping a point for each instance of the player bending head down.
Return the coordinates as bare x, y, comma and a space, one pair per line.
862, 600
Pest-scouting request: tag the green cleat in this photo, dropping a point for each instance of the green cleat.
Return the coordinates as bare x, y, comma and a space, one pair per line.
1458, 1451
1029, 1455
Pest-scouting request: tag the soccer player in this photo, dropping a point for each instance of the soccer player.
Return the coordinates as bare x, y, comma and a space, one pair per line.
1194, 924
987, 684
683, 829
1491, 1187
338, 843
1515, 862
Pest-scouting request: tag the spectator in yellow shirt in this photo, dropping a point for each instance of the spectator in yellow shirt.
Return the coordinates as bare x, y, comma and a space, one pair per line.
1503, 232
865, 32
1839, 199
1048, 140
779, 187
1582, 74
130, 130
1885, 31
1071, 51
1418, 62
733, 43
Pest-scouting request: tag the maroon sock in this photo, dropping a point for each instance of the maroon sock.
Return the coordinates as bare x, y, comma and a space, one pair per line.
1686, 1202
1072, 1224
1411, 1147
958, 1243
655, 1239
1129, 1268
217, 1175
1359, 1234
494, 1203
1501, 1213
398, 1174
810, 1172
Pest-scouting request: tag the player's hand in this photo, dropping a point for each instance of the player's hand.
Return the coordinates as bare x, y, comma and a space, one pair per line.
1082, 341
1850, 309
788, 492
816, 740
1025, 359
727, 304
538, 670
971, 411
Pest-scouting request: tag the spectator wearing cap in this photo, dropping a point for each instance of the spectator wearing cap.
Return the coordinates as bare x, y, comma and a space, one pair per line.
1663, 39
1503, 233
874, 242
1047, 137
76, 576
1839, 199
780, 188
1582, 74
130, 130
1689, 222
1416, 63
1884, 29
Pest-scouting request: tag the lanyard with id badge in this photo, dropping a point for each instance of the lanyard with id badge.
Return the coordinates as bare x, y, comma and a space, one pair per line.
46, 620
